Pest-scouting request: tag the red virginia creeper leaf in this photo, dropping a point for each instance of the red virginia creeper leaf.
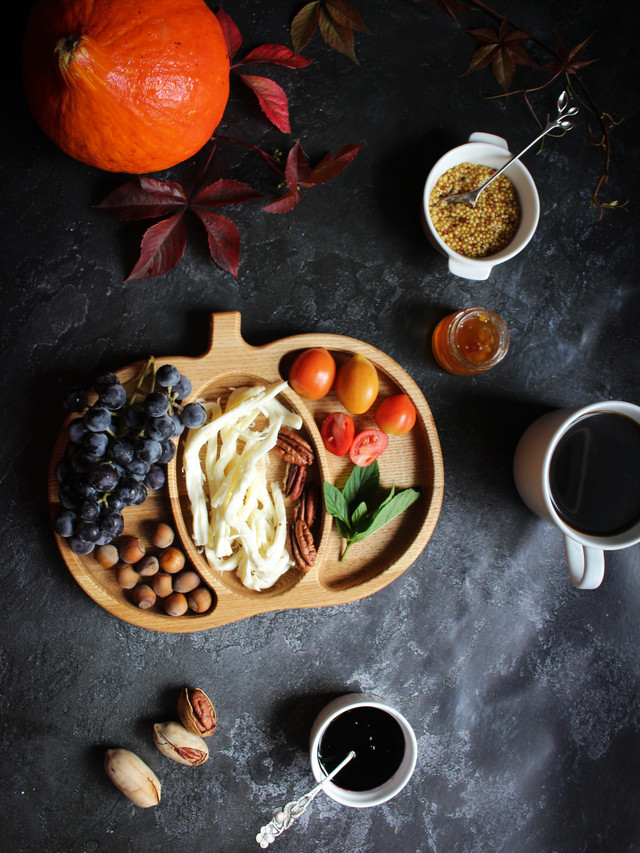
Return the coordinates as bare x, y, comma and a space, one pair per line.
331, 166
481, 58
224, 191
346, 15
338, 37
145, 199
569, 62
503, 67
279, 54
272, 99
304, 26
297, 170
224, 239
284, 204
230, 31
162, 247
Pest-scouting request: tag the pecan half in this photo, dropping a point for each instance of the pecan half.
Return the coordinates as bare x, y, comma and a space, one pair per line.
294, 481
302, 545
293, 448
308, 505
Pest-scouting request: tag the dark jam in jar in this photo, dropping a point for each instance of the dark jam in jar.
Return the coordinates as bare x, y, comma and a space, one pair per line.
377, 740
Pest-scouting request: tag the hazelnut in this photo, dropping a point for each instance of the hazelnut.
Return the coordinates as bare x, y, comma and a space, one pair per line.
171, 560
127, 576
199, 600
143, 596
147, 566
131, 549
163, 535
162, 584
176, 604
186, 581
106, 555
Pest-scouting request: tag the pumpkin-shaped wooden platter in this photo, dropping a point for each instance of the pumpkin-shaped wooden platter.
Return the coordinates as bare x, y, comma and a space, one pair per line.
411, 460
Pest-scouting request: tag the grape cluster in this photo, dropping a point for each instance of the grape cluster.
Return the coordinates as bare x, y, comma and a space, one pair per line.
117, 450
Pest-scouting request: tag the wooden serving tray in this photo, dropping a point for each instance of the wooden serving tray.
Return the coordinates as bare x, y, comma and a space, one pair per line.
412, 460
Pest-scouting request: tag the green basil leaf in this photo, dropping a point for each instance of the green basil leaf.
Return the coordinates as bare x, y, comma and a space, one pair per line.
387, 511
362, 483
344, 531
359, 517
335, 503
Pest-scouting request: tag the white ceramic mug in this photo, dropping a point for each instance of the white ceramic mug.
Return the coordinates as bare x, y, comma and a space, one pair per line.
373, 796
531, 470
484, 149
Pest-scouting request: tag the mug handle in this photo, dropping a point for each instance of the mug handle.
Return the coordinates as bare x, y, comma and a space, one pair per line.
586, 565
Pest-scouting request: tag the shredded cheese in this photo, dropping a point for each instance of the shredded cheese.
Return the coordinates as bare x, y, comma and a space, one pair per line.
239, 517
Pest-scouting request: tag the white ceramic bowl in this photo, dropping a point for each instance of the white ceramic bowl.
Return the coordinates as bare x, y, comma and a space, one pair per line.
375, 796
484, 149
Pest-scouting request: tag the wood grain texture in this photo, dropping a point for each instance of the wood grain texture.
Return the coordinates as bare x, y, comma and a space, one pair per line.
412, 460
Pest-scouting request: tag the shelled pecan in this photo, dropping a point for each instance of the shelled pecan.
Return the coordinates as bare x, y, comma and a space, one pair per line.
303, 549
293, 448
294, 481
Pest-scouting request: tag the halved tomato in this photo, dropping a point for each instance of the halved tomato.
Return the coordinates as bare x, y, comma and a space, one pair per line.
337, 432
367, 446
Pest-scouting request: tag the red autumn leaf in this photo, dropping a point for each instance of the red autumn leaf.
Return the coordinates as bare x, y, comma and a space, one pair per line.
145, 199
331, 166
297, 170
162, 247
278, 54
336, 35
304, 25
284, 204
231, 33
222, 192
346, 15
502, 51
272, 99
224, 239
569, 63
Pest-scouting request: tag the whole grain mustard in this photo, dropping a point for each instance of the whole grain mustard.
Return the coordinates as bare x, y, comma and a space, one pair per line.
485, 229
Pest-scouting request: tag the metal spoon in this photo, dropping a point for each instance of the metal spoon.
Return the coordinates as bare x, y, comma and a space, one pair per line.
561, 121
284, 818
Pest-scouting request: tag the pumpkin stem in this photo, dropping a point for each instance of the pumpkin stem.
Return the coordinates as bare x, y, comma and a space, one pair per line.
66, 49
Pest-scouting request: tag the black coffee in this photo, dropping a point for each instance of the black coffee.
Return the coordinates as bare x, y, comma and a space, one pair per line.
375, 737
595, 474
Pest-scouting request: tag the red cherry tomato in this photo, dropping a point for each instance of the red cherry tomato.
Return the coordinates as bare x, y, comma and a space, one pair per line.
396, 415
312, 373
337, 433
356, 384
367, 446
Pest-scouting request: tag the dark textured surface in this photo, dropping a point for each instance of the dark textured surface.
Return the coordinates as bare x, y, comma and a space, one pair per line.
523, 691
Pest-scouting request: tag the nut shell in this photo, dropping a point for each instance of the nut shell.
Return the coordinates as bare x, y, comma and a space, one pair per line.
132, 777
179, 744
196, 711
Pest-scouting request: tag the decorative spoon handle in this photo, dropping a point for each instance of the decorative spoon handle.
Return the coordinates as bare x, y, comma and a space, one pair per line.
284, 818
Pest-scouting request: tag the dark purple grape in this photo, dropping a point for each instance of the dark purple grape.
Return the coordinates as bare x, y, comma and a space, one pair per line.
113, 397
121, 451
167, 375
74, 399
135, 417
68, 496
88, 531
156, 404
182, 388
156, 478
106, 380
111, 523
80, 546
95, 443
179, 426
103, 477
77, 430
168, 451
137, 468
64, 471
149, 450
114, 501
140, 494
88, 509
97, 418
193, 415
64, 523
160, 428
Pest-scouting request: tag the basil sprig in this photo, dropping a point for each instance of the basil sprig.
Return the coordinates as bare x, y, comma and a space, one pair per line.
354, 509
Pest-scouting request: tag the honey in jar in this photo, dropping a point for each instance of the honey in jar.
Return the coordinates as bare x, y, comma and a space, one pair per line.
470, 341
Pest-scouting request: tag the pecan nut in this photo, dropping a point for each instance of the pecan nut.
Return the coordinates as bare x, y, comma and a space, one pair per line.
307, 507
303, 549
295, 480
293, 448
196, 712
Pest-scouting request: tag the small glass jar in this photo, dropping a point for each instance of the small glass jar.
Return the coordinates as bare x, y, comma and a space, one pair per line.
470, 341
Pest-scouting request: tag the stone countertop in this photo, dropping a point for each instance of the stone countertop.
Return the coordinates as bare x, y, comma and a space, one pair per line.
523, 692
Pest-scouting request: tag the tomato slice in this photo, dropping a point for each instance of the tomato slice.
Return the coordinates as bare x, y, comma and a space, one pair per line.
337, 432
367, 446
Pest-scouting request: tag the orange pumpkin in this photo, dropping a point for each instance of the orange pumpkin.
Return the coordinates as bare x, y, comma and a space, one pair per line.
126, 86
